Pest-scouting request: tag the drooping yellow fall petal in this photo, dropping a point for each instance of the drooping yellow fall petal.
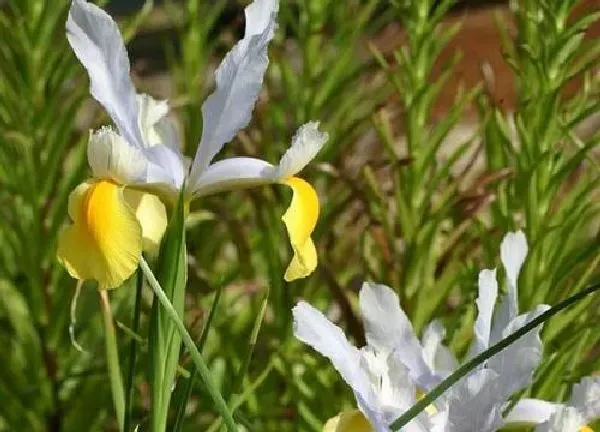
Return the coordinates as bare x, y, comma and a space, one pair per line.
104, 242
585, 428
348, 421
151, 214
300, 220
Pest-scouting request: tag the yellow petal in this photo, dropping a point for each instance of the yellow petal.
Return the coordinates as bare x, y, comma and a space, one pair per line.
300, 220
151, 214
104, 242
348, 421
585, 429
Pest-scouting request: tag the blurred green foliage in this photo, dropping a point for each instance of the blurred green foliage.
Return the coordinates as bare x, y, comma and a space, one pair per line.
399, 204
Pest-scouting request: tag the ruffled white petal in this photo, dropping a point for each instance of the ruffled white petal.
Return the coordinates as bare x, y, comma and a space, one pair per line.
314, 329
586, 398
238, 81
98, 45
307, 142
110, 156
513, 252
530, 412
388, 328
486, 301
565, 419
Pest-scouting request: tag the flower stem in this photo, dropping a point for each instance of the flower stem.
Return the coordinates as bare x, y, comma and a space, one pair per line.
201, 366
112, 360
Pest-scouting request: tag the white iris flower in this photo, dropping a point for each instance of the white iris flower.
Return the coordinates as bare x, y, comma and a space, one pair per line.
389, 374
111, 224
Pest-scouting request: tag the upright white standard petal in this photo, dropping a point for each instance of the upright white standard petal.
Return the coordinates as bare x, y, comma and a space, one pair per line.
564, 419
314, 329
388, 328
98, 45
437, 356
516, 363
513, 252
241, 172
586, 397
238, 79
486, 301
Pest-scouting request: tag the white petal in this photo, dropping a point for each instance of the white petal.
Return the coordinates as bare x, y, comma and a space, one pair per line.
168, 167
565, 419
516, 363
307, 142
110, 156
486, 300
513, 252
314, 329
98, 45
233, 173
388, 328
392, 382
530, 412
238, 79
473, 405
586, 397
158, 167
437, 356
502, 316
151, 112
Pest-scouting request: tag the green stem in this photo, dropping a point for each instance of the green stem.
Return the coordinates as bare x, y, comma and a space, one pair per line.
189, 384
239, 380
112, 360
133, 350
201, 366
430, 397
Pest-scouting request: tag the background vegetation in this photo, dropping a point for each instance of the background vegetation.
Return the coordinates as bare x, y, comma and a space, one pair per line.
422, 175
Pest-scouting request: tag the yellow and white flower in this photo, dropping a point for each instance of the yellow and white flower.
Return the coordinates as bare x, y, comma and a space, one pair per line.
114, 217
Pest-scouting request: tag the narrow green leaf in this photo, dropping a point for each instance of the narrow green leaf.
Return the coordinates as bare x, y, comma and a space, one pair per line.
130, 387
164, 340
203, 370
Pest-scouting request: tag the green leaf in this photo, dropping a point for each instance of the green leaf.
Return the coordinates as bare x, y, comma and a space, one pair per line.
163, 339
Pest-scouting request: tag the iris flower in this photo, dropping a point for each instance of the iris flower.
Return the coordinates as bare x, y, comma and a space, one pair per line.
583, 408
388, 375
114, 215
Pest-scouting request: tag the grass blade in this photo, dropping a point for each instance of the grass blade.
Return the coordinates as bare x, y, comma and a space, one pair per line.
203, 370
112, 360
129, 387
